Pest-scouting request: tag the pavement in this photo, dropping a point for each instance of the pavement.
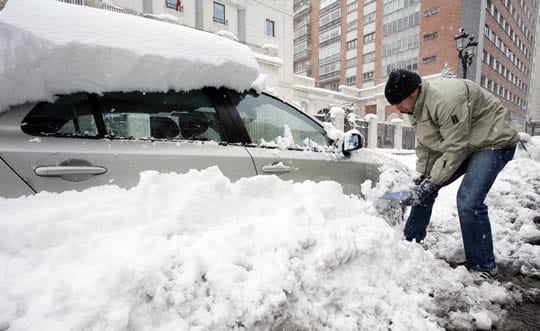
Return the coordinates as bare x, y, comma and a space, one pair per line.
524, 315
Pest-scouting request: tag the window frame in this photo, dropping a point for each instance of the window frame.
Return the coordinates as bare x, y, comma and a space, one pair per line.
92, 105
290, 109
218, 19
272, 26
170, 4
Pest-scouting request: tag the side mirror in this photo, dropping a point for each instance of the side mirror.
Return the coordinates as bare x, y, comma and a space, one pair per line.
352, 140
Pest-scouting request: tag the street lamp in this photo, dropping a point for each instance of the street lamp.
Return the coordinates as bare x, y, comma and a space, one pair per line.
466, 46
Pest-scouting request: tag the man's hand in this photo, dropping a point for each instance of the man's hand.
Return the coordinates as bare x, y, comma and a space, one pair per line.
423, 191
418, 179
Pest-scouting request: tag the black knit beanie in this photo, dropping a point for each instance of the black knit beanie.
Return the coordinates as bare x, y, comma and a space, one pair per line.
400, 84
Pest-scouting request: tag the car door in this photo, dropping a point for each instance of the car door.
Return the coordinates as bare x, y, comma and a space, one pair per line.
287, 143
84, 140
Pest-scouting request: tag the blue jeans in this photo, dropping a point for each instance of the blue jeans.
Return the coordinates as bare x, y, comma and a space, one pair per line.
480, 169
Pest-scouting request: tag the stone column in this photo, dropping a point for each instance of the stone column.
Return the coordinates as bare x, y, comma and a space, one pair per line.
147, 7
372, 120
398, 133
337, 114
199, 15
242, 25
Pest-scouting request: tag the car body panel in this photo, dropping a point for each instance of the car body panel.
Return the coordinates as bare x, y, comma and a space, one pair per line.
308, 165
11, 183
121, 160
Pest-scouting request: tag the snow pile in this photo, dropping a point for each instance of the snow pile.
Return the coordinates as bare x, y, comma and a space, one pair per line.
48, 48
197, 252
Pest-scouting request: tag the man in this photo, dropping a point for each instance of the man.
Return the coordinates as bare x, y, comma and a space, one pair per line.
461, 129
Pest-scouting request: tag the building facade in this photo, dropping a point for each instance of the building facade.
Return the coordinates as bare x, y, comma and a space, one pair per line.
357, 43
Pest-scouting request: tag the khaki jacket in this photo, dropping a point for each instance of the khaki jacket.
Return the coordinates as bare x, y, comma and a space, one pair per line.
454, 118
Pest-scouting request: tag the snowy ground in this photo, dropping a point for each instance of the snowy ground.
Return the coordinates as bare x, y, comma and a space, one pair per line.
197, 252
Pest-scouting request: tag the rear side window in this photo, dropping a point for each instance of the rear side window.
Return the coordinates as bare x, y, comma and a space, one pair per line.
170, 116
69, 116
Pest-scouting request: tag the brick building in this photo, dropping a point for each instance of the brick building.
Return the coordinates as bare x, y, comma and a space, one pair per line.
358, 42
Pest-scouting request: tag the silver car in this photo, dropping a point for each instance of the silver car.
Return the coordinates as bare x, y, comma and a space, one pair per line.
83, 140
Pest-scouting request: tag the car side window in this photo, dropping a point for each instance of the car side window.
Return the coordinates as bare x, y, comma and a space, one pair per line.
267, 118
69, 116
171, 116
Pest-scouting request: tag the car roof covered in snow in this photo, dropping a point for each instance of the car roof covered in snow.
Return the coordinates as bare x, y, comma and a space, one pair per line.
49, 48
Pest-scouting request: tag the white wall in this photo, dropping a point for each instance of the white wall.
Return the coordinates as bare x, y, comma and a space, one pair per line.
281, 12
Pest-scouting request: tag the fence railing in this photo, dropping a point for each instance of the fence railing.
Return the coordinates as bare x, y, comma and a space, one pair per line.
378, 135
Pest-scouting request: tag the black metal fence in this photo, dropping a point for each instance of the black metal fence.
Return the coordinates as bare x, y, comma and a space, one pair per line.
385, 135
409, 138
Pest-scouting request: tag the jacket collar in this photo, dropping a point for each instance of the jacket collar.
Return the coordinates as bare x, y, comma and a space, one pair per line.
421, 98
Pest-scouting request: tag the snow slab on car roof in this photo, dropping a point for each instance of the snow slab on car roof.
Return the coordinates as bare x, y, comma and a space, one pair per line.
49, 48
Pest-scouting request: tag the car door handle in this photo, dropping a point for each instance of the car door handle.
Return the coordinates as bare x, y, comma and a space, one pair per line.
277, 167
57, 171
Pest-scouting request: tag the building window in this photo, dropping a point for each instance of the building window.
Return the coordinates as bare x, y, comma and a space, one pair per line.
352, 25
326, 3
369, 18
330, 70
351, 80
330, 36
401, 24
219, 13
351, 63
329, 53
401, 45
368, 76
431, 36
429, 59
170, 4
174, 4
330, 19
391, 6
352, 44
369, 57
352, 6
431, 12
270, 28
409, 64
369, 38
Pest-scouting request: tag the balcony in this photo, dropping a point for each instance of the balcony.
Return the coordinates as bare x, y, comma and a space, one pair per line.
330, 7
302, 34
304, 37
302, 54
301, 6
330, 75
330, 41
330, 24
329, 59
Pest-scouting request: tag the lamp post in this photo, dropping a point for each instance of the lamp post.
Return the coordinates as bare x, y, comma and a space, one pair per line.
466, 46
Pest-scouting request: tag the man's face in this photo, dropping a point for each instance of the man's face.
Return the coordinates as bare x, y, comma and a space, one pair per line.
406, 106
